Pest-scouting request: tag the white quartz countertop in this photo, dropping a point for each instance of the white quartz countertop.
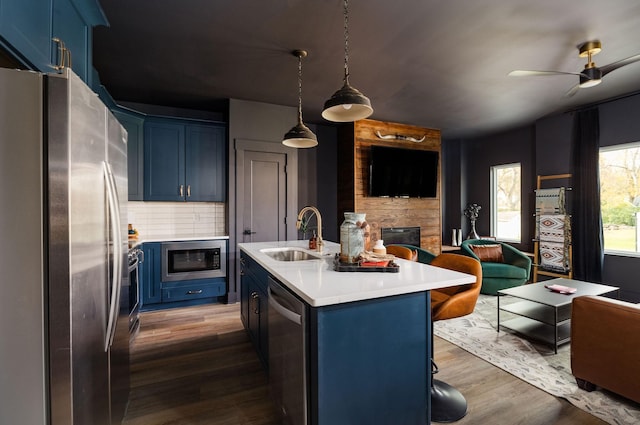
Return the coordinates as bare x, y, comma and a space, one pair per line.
317, 283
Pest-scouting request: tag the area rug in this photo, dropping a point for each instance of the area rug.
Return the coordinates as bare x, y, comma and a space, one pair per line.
534, 363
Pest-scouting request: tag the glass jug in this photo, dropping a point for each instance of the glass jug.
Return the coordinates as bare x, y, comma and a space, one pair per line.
352, 237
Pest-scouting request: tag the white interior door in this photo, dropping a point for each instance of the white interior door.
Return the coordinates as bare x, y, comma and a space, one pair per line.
265, 198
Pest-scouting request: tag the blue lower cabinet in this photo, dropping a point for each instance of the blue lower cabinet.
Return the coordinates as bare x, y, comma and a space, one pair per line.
367, 362
254, 306
193, 290
150, 275
156, 294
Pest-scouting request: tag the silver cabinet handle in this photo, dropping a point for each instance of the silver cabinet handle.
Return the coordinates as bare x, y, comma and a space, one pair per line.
188, 191
181, 190
255, 299
194, 292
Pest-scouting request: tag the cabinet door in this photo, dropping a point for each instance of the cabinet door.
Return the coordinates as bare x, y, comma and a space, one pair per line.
254, 306
135, 155
244, 290
26, 26
150, 273
164, 178
69, 26
205, 163
258, 316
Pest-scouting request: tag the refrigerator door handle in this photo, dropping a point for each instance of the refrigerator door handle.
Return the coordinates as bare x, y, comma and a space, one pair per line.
114, 214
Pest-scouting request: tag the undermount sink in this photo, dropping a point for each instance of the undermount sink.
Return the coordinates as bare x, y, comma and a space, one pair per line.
288, 254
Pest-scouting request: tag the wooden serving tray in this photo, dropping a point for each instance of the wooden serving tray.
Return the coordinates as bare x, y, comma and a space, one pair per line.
346, 267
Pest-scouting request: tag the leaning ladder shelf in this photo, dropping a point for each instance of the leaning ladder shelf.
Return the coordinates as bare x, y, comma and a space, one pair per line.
537, 270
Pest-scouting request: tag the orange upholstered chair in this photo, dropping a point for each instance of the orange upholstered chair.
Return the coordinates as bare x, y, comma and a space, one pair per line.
456, 301
402, 252
447, 403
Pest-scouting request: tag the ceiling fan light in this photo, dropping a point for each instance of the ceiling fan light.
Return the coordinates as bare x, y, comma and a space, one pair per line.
590, 77
300, 136
347, 104
589, 83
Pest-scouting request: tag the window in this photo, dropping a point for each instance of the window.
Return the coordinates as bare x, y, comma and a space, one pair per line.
620, 197
505, 202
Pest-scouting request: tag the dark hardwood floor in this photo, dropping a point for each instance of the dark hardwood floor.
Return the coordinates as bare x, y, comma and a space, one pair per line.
196, 366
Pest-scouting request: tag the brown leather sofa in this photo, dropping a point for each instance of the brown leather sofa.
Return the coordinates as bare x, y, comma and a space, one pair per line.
605, 345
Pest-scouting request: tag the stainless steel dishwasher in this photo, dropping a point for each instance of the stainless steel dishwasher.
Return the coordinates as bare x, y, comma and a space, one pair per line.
287, 353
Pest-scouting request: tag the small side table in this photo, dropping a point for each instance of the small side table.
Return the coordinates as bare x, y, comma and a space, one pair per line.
545, 315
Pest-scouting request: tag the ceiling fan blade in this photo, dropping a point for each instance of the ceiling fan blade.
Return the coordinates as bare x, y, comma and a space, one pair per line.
573, 90
615, 65
524, 73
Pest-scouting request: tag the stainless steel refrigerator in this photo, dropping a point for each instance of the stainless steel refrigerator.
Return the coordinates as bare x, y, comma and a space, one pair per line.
64, 342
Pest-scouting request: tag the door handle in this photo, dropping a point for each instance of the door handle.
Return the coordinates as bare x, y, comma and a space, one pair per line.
248, 232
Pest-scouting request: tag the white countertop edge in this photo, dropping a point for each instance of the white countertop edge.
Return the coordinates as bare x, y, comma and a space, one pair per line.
319, 285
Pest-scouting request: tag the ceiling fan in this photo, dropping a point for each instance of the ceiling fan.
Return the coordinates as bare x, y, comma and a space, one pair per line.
591, 75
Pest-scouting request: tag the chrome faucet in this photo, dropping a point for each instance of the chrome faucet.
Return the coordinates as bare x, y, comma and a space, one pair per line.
301, 214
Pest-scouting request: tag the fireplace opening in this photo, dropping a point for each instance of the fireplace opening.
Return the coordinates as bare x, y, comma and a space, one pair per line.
401, 235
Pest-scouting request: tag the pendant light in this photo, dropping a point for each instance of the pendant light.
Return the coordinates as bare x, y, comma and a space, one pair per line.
347, 104
300, 136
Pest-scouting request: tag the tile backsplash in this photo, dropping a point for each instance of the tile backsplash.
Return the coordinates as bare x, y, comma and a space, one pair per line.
157, 220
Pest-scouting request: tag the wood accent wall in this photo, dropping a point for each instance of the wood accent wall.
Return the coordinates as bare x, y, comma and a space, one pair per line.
354, 147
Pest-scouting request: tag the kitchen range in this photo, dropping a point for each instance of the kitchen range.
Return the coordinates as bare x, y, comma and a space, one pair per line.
64, 298
135, 258
341, 345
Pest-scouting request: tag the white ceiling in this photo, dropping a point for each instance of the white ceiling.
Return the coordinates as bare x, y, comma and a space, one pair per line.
439, 64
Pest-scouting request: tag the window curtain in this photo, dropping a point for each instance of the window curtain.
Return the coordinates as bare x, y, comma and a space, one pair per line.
588, 241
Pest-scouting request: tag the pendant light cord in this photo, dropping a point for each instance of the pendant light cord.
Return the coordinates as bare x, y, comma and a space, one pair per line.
346, 41
300, 88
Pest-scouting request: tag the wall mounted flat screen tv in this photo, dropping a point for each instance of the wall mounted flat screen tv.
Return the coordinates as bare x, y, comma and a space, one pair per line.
400, 172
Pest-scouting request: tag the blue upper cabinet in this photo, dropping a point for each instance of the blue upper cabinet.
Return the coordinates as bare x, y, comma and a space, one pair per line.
164, 178
70, 29
134, 125
205, 156
184, 161
25, 30
28, 27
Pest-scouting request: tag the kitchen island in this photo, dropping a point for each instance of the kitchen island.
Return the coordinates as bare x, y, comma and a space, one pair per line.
365, 337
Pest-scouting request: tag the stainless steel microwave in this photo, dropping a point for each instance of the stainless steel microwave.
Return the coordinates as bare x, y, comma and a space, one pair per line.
189, 260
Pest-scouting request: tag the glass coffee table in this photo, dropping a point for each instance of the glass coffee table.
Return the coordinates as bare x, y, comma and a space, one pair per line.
542, 314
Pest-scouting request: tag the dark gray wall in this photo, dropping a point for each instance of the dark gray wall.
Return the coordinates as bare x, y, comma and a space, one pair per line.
477, 156
317, 178
316, 170
452, 191
327, 179
257, 122
543, 148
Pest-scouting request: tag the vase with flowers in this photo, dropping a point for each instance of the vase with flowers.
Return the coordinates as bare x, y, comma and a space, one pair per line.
471, 212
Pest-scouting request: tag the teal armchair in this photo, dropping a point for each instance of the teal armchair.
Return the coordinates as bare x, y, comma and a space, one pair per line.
511, 269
